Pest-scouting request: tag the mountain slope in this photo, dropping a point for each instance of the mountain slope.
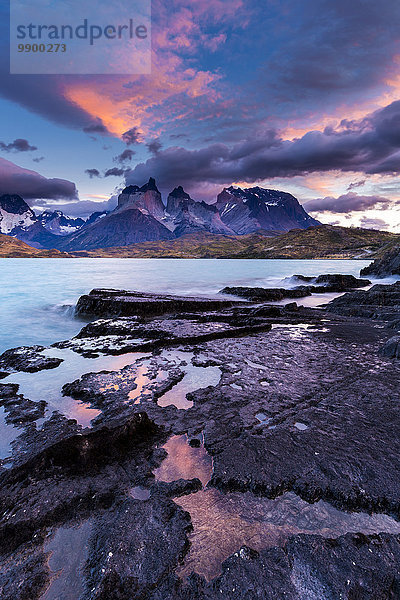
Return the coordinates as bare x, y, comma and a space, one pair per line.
185, 215
14, 212
324, 241
251, 209
129, 226
12, 248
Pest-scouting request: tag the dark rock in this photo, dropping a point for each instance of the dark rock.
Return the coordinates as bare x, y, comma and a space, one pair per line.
342, 282
174, 489
265, 294
392, 348
388, 264
28, 359
379, 302
134, 547
107, 303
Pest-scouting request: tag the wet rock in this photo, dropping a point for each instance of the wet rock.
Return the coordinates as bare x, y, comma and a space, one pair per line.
81, 471
174, 489
309, 567
24, 575
379, 302
19, 410
388, 264
392, 348
255, 294
134, 547
108, 303
28, 359
341, 282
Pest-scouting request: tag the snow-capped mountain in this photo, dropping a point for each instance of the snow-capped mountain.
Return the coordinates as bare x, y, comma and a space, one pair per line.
141, 216
185, 215
251, 209
59, 224
14, 213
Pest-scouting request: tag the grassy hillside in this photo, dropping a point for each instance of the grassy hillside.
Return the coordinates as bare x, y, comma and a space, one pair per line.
12, 248
324, 241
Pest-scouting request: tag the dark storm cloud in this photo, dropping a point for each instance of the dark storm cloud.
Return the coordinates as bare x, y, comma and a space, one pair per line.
124, 156
18, 145
333, 49
347, 203
92, 173
29, 184
371, 145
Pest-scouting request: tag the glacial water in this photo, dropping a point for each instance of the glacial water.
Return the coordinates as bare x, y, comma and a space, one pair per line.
37, 295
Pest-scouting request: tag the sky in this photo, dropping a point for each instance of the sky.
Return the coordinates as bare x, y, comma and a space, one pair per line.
297, 95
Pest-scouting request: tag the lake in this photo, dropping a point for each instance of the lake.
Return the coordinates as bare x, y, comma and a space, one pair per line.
37, 295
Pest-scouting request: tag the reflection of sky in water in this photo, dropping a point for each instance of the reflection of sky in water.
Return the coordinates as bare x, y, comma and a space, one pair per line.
46, 385
8, 433
68, 553
225, 522
184, 462
195, 378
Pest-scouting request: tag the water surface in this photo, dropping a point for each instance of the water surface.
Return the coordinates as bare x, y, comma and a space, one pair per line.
36, 295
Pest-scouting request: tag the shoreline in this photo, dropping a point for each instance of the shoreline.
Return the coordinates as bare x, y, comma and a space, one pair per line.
226, 410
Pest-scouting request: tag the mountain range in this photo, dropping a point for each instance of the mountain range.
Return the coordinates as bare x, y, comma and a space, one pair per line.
141, 216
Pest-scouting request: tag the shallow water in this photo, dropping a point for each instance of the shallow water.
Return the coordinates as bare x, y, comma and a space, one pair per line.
195, 378
222, 523
47, 385
225, 522
8, 434
36, 295
68, 553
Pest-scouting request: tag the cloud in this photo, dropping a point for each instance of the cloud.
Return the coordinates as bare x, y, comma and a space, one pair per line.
132, 136
124, 156
115, 172
30, 184
83, 208
96, 128
347, 203
154, 146
371, 223
356, 184
38, 159
92, 173
370, 145
18, 145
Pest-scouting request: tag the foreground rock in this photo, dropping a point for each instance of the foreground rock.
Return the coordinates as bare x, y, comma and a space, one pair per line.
299, 401
121, 303
27, 358
315, 285
380, 302
388, 264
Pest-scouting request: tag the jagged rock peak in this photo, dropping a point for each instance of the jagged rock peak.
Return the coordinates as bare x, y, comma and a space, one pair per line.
134, 189
14, 204
179, 192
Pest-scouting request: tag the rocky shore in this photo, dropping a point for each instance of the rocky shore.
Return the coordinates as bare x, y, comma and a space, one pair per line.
232, 449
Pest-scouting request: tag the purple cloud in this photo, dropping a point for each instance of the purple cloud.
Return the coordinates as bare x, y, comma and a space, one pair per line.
30, 184
18, 145
347, 203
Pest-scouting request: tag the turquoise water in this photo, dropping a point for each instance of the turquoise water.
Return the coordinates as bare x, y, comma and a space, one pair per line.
36, 295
